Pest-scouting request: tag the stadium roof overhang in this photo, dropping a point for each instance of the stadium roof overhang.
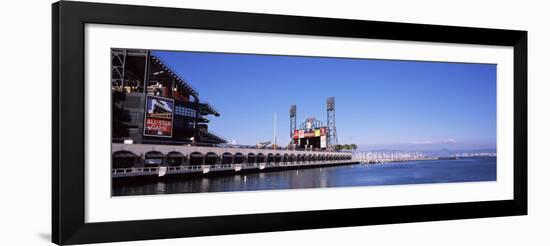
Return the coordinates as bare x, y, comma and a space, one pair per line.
135, 69
164, 71
206, 109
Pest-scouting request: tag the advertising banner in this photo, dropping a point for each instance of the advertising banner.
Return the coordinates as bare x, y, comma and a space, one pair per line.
323, 142
309, 134
323, 131
159, 114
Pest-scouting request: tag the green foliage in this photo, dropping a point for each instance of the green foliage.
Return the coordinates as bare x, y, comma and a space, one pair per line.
345, 147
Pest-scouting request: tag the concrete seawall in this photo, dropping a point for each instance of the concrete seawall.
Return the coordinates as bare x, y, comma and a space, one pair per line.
272, 160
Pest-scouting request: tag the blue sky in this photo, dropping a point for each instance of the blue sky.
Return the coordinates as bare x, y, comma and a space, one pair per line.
385, 104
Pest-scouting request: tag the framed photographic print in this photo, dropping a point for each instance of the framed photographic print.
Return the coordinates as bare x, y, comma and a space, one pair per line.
176, 122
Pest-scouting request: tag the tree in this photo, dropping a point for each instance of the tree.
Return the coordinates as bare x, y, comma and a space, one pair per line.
353, 147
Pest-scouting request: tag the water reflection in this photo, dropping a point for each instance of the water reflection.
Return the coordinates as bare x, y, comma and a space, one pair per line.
205, 184
161, 188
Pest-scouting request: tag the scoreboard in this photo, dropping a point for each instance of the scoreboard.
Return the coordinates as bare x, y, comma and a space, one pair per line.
316, 137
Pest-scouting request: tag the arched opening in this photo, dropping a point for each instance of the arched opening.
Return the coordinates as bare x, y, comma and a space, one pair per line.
322, 157
260, 158
238, 158
298, 158
286, 158
315, 158
153, 158
292, 158
124, 159
270, 158
196, 158
227, 158
175, 158
211, 158
309, 157
277, 158
251, 158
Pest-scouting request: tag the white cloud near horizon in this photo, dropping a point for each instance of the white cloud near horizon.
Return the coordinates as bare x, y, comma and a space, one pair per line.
449, 140
445, 141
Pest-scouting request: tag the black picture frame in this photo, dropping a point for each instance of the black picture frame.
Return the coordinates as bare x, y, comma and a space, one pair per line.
68, 122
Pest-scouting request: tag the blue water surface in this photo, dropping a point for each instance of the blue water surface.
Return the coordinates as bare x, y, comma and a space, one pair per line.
413, 172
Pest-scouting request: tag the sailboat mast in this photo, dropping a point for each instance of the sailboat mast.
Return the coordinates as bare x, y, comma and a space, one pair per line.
274, 129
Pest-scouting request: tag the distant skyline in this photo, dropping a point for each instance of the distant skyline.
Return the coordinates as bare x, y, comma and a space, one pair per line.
380, 104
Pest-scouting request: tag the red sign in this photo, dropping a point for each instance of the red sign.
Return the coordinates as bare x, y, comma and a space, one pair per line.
296, 133
323, 131
158, 127
159, 113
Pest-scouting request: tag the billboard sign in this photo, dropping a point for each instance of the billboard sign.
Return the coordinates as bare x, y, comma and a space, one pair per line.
159, 115
296, 134
323, 131
309, 133
305, 133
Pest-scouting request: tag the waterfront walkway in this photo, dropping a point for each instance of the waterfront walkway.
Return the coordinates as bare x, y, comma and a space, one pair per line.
220, 168
142, 160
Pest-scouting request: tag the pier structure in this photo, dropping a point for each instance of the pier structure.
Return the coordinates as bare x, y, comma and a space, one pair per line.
384, 157
134, 160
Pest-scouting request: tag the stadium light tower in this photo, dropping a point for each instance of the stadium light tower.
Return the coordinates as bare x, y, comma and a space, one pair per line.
292, 120
331, 123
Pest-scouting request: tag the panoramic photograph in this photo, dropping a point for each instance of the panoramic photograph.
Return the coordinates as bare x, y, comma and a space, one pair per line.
197, 122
